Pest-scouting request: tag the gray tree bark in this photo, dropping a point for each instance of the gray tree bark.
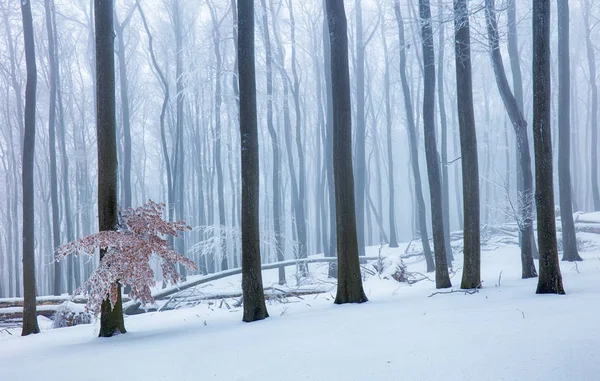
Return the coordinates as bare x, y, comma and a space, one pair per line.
471, 277
569, 240
111, 317
349, 286
442, 279
30, 324
413, 144
591, 55
524, 174
550, 279
276, 185
252, 287
52, 71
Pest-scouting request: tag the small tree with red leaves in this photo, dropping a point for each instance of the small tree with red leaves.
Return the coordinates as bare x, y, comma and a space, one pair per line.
140, 235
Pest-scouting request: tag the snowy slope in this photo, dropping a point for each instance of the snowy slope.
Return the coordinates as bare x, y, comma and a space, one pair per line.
504, 332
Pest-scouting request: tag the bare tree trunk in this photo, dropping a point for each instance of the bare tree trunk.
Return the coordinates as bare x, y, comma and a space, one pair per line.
178, 167
349, 287
569, 240
278, 231
388, 123
30, 324
216, 34
514, 57
550, 280
442, 279
111, 317
252, 287
591, 55
471, 277
329, 146
524, 174
301, 201
125, 113
413, 145
52, 58
360, 138
444, 133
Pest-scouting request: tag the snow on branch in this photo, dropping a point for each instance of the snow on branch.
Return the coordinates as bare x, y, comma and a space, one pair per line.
129, 248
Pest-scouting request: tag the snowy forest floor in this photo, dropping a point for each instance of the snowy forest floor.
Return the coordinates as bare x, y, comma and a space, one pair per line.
502, 332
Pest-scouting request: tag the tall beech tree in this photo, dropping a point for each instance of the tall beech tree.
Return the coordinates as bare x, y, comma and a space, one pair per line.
442, 279
591, 56
111, 317
569, 240
413, 143
30, 324
471, 277
52, 73
276, 185
252, 286
349, 287
513, 109
550, 279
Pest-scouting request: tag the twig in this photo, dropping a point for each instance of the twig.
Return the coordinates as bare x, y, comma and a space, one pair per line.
466, 292
499, 278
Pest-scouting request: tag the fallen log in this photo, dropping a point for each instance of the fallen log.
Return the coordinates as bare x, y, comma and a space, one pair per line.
132, 307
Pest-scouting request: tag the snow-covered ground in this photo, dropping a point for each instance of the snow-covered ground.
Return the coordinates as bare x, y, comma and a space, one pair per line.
503, 332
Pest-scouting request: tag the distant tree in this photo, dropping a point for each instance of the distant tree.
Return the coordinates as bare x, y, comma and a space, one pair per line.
389, 141
444, 131
252, 286
111, 317
216, 35
412, 143
550, 279
125, 112
360, 166
513, 109
569, 240
52, 72
442, 279
30, 324
349, 289
276, 186
517, 79
128, 251
591, 56
471, 277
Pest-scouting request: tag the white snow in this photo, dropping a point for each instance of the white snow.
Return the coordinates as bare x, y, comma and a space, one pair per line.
504, 332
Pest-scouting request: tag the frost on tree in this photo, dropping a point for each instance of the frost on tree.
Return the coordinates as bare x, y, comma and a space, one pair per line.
141, 233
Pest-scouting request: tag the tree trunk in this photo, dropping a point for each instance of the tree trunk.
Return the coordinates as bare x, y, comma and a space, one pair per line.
388, 124
125, 114
471, 277
569, 240
349, 287
329, 146
52, 58
522, 186
111, 318
413, 144
444, 133
442, 279
277, 229
360, 138
252, 286
550, 280
301, 201
216, 34
30, 324
591, 55
524, 174
178, 167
